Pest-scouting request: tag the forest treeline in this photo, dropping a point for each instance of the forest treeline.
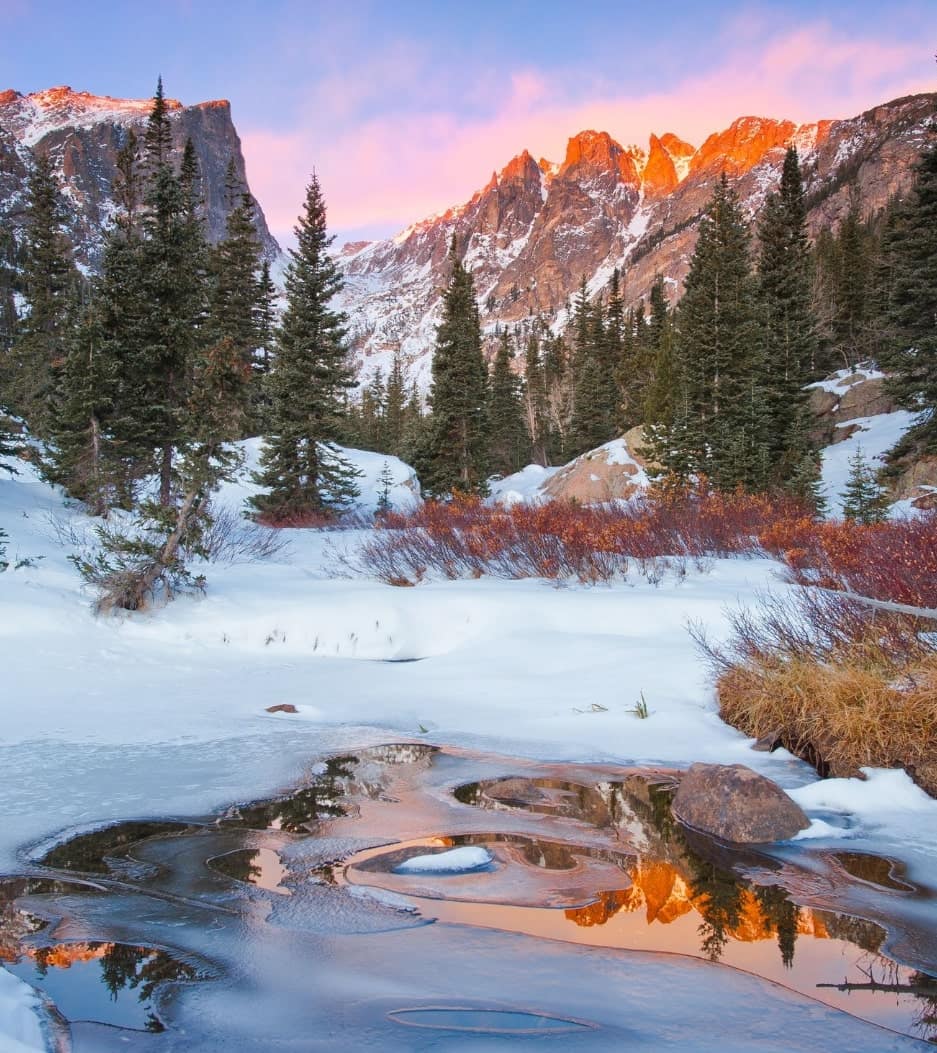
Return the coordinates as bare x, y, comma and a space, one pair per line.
132, 384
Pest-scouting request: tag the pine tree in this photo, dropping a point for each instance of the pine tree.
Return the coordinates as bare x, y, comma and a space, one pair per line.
9, 281
535, 402
719, 430
395, 407
454, 455
662, 392
50, 282
264, 325
168, 290
301, 465
509, 442
385, 482
789, 329
911, 252
82, 456
863, 499
235, 306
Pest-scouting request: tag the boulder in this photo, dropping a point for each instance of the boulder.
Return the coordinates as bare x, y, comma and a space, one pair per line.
736, 804
611, 472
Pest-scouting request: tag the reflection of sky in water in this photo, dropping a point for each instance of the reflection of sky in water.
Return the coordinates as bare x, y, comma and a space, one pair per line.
256, 866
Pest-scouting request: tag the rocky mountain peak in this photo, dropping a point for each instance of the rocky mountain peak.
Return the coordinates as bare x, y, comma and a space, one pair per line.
742, 145
82, 134
660, 174
521, 169
597, 153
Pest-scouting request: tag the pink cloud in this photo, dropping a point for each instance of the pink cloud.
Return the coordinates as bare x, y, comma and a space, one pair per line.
396, 168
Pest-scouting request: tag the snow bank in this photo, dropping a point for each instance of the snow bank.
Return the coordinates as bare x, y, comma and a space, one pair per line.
403, 488
874, 436
455, 861
525, 486
19, 1024
884, 793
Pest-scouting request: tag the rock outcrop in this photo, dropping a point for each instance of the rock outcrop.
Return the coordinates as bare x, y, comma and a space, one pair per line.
82, 133
610, 473
736, 804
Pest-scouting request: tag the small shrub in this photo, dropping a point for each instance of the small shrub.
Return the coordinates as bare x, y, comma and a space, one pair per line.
837, 683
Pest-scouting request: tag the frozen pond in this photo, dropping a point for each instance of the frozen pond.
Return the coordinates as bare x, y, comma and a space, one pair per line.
414, 897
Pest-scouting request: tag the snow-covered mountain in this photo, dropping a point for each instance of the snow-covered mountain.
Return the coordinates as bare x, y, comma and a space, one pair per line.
537, 228
83, 133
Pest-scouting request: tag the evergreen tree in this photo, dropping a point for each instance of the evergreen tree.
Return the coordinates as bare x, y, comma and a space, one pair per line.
395, 407
557, 378
454, 454
720, 428
264, 326
863, 499
9, 282
789, 330
83, 458
911, 253
509, 442
661, 395
164, 282
50, 283
235, 306
301, 465
535, 402
385, 482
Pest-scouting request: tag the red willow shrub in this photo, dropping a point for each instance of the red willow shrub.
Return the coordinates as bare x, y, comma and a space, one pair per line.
463, 537
592, 543
894, 561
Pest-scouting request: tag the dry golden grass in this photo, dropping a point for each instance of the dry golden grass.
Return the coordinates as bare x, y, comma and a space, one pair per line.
857, 706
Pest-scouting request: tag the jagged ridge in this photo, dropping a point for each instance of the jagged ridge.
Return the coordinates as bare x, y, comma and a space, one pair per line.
536, 229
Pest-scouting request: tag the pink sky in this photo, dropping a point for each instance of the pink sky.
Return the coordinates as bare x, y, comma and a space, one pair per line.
387, 169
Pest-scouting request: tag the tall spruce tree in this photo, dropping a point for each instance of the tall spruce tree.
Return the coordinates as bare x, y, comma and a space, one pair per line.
50, 283
535, 402
719, 429
395, 407
301, 467
789, 329
454, 454
911, 251
235, 298
508, 440
169, 292
661, 394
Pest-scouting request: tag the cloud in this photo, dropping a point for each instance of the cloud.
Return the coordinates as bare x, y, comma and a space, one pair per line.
383, 165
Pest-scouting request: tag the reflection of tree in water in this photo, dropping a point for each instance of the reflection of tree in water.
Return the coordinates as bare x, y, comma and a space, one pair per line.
88, 852
142, 969
718, 899
783, 915
239, 865
294, 813
124, 966
925, 1017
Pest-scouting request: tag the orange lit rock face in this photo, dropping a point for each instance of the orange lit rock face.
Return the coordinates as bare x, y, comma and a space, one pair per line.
590, 153
660, 173
741, 146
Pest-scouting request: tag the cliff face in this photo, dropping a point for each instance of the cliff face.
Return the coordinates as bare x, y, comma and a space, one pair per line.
83, 133
537, 229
